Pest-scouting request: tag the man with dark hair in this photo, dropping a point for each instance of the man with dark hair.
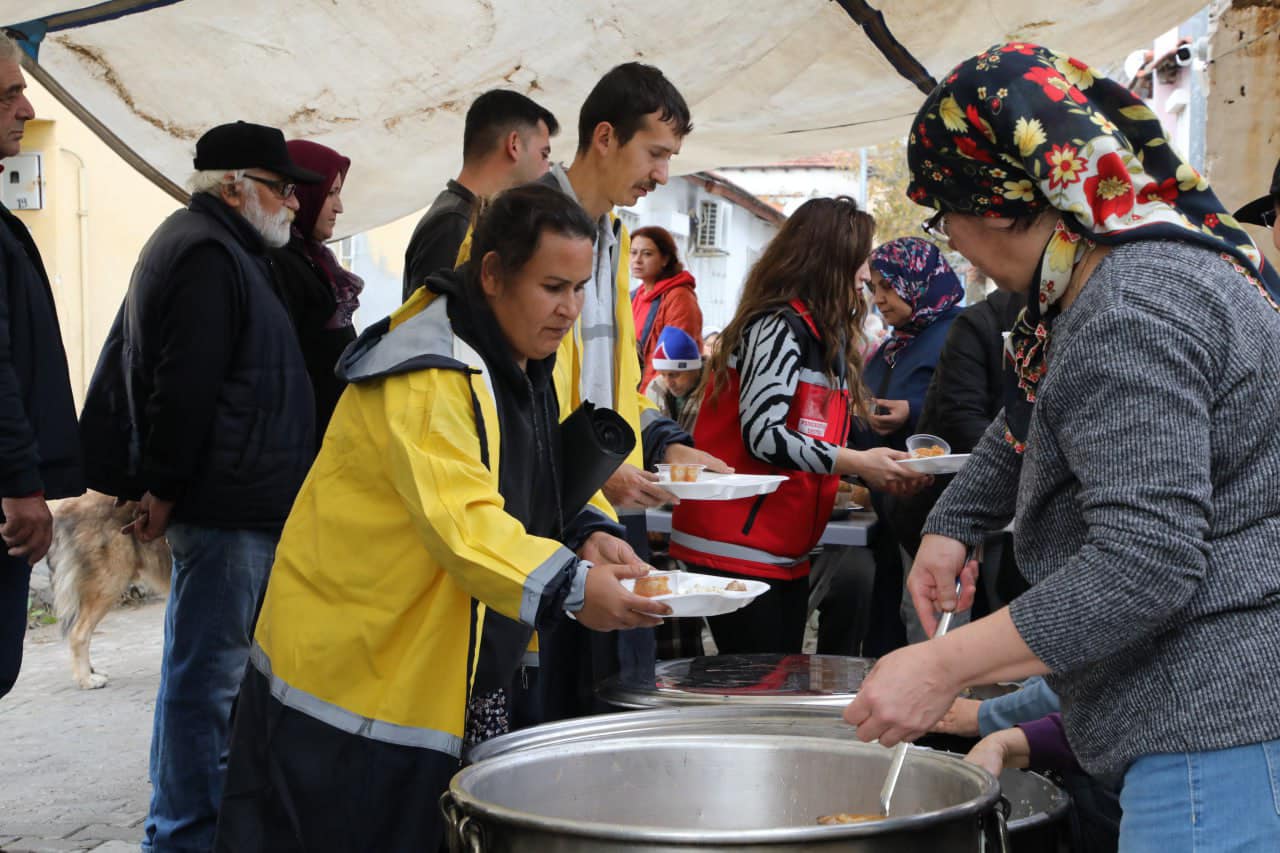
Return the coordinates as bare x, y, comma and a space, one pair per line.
630, 126
506, 142
630, 98
39, 448
201, 409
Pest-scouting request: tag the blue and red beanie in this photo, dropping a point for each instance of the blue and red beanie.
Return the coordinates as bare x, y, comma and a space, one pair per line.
676, 350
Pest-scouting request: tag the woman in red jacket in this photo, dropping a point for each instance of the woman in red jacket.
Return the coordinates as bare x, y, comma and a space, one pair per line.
664, 297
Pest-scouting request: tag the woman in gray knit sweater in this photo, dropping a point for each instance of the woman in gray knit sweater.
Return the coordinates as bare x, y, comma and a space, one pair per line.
1139, 450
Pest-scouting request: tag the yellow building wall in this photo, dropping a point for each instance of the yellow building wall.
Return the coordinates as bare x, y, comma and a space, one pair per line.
98, 212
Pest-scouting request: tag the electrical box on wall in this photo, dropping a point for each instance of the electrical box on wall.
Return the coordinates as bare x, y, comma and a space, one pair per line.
22, 182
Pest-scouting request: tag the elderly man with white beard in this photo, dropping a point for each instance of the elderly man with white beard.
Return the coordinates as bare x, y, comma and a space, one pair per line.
200, 409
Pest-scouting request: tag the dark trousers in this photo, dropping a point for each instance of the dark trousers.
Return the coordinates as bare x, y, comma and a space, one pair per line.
840, 588
774, 622
885, 631
15, 578
297, 784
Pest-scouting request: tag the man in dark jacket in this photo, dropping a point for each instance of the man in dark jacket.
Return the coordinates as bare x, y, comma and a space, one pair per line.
201, 407
39, 448
506, 142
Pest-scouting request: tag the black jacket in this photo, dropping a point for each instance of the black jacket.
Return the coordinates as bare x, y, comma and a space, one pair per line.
438, 235
530, 468
307, 295
39, 444
964, 396
200, 395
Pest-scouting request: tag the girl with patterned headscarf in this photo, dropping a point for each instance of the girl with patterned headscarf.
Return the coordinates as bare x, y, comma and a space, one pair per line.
1139, 449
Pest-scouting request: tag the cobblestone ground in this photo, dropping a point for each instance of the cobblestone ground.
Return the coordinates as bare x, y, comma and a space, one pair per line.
75, 761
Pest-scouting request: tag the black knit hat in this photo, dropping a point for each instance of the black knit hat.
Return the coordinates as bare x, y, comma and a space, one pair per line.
249, 146
1255, 212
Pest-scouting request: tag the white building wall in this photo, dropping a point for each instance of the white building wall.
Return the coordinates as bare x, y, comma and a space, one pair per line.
719, 274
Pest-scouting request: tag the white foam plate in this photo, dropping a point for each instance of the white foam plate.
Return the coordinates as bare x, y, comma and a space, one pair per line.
724, 487
704, 595
949, 464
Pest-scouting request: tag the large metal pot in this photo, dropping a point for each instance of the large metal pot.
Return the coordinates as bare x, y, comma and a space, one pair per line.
745, 792
1036, 805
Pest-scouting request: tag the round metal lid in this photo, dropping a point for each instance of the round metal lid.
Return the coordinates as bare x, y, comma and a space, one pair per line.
778, 680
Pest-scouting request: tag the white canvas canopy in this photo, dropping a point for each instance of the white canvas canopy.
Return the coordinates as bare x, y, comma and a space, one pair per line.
387, 82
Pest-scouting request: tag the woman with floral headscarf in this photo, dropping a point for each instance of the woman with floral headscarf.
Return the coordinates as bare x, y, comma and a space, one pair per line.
1139, 447
919, 295
319, 293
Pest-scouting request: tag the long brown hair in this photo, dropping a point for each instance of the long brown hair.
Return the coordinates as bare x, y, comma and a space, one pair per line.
814, 258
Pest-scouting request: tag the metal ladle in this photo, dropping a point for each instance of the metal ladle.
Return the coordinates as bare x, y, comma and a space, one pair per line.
900, 751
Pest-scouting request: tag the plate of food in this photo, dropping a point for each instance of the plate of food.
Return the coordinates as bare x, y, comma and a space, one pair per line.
692, 594
932, 455
936, 463
694, 483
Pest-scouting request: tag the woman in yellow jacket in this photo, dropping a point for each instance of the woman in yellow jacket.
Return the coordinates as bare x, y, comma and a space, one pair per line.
436, 495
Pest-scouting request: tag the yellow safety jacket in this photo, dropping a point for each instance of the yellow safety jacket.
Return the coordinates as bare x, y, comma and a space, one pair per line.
372, 614
634, 407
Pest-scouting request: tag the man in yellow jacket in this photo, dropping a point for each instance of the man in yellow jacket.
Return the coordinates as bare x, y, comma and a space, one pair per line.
630, 126
436, 495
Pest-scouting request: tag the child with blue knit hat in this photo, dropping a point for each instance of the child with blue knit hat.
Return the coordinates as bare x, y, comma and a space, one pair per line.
678, 363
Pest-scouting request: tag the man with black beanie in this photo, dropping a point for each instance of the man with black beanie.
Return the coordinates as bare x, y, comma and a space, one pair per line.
201, 410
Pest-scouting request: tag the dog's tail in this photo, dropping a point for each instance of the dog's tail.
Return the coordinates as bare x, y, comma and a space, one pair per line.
64, 570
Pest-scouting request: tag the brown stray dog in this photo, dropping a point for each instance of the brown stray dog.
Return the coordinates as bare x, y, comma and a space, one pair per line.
93, 564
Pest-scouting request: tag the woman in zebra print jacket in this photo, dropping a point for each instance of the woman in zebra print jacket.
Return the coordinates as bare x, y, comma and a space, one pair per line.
781, 390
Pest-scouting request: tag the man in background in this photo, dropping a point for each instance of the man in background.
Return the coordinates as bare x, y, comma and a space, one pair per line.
506, 143
39, 447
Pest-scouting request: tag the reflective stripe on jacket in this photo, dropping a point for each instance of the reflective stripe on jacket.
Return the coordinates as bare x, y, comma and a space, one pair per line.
371, 615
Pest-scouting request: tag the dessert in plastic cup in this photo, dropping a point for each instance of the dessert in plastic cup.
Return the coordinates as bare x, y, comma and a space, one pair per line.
922, 446
680, 472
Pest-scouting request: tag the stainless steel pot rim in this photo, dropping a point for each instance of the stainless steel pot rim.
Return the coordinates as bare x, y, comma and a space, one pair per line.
980, 804
659, 697
646, 722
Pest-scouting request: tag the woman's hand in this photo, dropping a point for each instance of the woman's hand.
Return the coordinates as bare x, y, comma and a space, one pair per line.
609, 607
903, 696
1000, 750
961, 719
879, 469
893, 420
932, 582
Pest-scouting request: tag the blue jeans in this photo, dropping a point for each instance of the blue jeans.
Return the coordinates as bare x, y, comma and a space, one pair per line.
218, 578
1203, 802
15, 577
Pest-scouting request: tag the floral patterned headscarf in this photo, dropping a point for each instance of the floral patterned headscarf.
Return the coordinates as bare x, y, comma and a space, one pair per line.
1020, 128
921, 276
